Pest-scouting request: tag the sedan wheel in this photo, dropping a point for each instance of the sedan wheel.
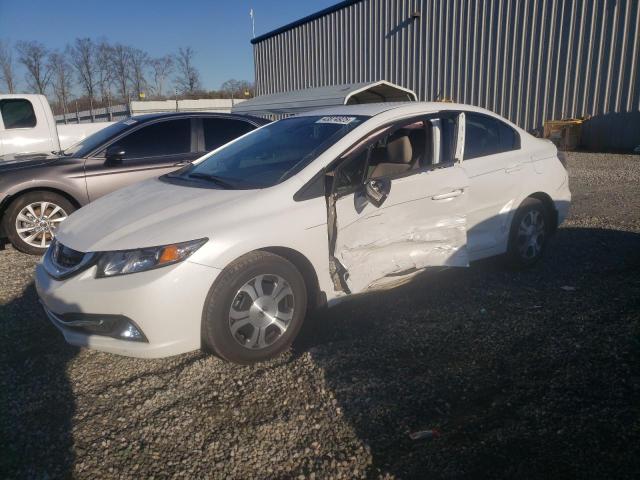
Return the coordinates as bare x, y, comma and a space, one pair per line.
254, 309
261, 311
529, 234
32, 220
36, 223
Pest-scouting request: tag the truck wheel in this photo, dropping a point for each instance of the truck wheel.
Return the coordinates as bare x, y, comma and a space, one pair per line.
255, 309
31, 220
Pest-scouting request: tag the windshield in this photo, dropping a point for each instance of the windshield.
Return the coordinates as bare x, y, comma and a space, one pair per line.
271, 154
89, 144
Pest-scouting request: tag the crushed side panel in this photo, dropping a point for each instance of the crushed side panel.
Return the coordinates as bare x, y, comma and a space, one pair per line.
440, 242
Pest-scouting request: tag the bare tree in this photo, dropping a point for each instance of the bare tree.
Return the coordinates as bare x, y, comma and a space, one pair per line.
61, 78
236, 88
83, 57
188, 77
121, 61
139, 63
162, 68
7, 74
33, 55
104, 72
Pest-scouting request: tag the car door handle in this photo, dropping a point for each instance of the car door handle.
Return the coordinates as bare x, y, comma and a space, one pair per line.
513, 168
444, 196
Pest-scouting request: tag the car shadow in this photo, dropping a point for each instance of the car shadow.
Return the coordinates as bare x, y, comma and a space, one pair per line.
36, 399
522, 374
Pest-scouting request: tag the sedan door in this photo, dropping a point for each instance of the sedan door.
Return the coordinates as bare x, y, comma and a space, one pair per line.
409, 214
152, 150
494, 164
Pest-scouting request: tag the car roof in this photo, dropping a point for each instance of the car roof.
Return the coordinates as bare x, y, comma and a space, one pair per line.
401, 108
155, 116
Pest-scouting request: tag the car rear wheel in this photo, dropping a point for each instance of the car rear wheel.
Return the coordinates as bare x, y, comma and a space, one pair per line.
255, 309
529, 234
32, 219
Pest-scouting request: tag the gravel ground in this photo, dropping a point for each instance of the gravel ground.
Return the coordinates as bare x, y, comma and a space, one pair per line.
522, 377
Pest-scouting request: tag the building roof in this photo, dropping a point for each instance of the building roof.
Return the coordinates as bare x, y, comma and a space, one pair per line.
304, 20
296, 101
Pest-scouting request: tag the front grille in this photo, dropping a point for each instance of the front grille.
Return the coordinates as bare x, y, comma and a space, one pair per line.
66, 257
62, 262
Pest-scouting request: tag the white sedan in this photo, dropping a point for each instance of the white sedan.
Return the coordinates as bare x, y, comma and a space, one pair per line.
230, 253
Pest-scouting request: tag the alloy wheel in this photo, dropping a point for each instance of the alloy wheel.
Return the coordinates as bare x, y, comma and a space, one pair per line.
37, 223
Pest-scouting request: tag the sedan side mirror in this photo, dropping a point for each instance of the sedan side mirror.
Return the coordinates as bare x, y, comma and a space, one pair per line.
377, 190
114, 154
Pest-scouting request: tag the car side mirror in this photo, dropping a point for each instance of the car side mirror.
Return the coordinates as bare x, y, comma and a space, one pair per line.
114, 154
377, 190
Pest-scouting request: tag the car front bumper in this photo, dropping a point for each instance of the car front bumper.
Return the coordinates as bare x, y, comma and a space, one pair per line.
165, 304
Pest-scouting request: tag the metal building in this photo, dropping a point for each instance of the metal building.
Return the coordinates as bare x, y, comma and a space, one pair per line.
529, 60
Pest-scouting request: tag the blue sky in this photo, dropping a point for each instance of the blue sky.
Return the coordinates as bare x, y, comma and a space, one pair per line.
219, 30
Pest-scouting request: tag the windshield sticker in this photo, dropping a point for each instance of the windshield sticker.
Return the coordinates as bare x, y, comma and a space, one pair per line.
131, 121
337, 120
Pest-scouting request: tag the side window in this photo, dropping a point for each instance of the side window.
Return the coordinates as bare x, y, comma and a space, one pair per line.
171, 137
403, 150
218, 131
485, 135
351, 173
17, 113
509, 139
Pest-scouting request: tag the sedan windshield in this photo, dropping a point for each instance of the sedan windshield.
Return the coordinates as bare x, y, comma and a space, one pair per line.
271, 154
89, 144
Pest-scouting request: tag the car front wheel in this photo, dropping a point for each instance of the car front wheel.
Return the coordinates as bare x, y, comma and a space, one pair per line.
32, 219
255, 309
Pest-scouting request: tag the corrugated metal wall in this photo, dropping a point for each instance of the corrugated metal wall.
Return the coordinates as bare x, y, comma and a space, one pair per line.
528, 60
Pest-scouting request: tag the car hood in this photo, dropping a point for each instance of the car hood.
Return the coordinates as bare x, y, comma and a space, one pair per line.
18, 161
150, 213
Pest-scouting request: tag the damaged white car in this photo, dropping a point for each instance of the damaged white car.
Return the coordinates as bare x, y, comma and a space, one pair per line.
230, 253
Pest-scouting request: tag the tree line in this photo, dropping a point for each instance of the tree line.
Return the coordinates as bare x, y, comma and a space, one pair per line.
95, 73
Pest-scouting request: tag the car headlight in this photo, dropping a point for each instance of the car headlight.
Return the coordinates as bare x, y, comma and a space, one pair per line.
132, 261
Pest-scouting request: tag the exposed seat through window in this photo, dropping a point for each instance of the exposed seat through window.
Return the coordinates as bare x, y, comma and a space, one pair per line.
396, 158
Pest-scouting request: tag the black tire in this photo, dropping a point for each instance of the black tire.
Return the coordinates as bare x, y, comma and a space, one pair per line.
519, 255
216, 330
11, 215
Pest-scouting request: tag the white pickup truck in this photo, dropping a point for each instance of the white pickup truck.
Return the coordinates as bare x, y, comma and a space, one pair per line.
27, 126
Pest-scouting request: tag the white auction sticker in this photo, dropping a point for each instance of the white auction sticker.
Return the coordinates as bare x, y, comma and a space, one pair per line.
337, 120
131, 121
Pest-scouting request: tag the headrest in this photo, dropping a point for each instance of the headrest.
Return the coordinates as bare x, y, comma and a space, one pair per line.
399, 150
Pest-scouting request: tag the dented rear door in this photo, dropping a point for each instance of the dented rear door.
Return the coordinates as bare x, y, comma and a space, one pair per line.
422, 223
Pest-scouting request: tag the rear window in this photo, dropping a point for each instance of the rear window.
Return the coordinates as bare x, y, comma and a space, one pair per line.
17, 113
218, 131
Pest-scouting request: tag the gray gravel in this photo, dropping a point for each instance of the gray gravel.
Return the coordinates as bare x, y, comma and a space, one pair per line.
522, 377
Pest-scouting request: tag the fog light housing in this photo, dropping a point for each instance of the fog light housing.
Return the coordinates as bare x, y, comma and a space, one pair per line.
114, 326
132, 333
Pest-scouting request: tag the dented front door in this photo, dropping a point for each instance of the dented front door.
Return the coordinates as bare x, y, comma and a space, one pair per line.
421, 223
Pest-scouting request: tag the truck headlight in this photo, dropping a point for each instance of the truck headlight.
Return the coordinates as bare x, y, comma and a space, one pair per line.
123, 262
